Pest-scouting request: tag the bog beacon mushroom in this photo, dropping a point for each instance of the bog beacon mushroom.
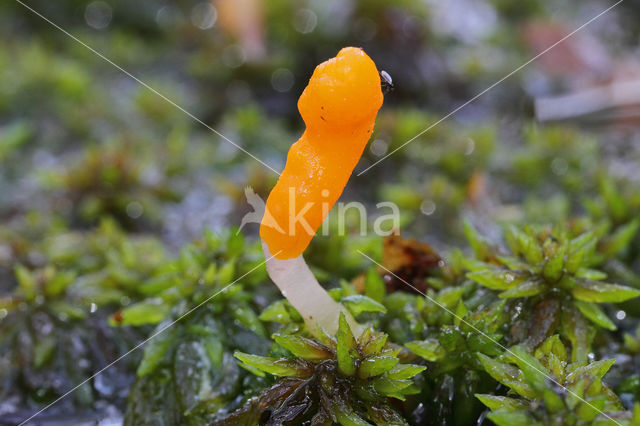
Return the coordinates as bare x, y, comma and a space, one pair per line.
339, 107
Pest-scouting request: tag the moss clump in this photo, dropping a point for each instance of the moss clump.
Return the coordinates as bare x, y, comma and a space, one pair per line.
340, 379
545, 388
204, 304
549, 276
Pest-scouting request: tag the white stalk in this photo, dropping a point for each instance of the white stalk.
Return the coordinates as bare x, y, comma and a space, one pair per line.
297, 283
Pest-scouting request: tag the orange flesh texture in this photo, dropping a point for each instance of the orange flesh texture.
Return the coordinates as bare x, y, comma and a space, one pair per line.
339, 107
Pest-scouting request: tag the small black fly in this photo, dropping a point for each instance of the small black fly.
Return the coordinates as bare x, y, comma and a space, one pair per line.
386, 82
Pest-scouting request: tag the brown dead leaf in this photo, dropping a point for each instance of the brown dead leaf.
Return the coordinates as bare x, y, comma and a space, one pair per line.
409, 259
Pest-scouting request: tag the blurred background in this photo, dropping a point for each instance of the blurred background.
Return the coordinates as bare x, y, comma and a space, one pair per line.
102, 180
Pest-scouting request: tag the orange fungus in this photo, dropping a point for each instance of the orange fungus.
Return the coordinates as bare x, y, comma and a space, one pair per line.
339, 107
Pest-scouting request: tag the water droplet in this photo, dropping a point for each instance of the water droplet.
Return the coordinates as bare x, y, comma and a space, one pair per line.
379, 147
471, 146
282, 80
621, 315
428, 207
134, 210
204, 15
98, 14
305, 21
93, 308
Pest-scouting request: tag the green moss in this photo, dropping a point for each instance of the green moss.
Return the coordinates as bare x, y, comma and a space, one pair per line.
546, 388
549, 275
340, 379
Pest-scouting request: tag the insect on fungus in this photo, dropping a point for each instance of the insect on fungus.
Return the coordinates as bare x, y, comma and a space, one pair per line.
386, 82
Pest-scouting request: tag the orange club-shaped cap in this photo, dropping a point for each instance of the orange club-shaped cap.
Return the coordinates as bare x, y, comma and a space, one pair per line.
339, 107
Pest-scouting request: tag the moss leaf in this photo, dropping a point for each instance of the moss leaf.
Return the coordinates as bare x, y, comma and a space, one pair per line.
276, 312
512, 418
388, 386
534, 372
26, 282
594, 369
282, 367
302, 347
528, 288
620, 239
405, 371
495, 279
150, 311
495, 402
155, 351
345, 344
348, 417
592, 291
358, 304
595, 314
429, 349
374, 344
375, 366
506, 374
553, 268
